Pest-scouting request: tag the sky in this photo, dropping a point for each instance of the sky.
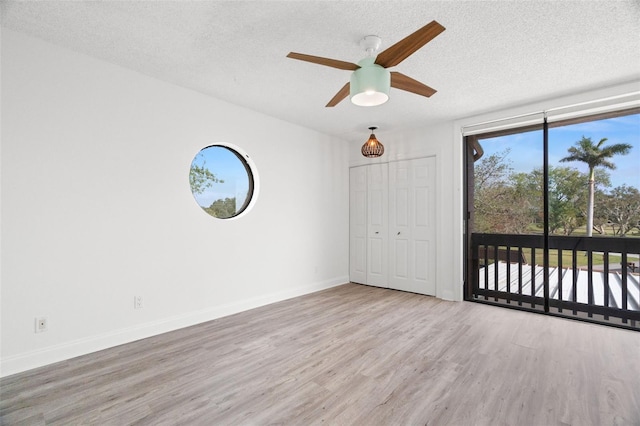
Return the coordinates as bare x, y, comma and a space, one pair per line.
526, 148
225, 166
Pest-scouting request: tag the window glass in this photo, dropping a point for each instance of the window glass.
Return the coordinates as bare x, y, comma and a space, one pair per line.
508, 187
594, 177
593, 183
222, 181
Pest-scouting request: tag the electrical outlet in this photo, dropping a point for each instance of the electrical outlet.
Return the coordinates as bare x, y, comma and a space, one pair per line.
137, 302
41, 324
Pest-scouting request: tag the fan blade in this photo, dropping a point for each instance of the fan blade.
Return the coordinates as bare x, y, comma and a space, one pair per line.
334, 63
400, 51
402, 82
342, 93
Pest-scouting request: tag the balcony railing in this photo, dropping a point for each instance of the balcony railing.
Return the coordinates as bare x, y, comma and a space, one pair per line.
594, 279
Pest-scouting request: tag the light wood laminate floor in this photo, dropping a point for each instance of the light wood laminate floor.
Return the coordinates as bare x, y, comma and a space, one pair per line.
348, 355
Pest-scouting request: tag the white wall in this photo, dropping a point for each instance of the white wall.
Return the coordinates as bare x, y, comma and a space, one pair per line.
96, 207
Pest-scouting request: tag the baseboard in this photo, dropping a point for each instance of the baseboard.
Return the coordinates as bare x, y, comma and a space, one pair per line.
64, 351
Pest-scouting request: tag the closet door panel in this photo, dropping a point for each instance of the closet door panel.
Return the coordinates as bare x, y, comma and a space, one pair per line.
358, 225
377, 229
399, 220
400, 265
412, 225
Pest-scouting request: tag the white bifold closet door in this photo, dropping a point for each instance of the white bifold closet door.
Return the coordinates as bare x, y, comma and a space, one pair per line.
358, 225
412, 225
368, 223
392, 225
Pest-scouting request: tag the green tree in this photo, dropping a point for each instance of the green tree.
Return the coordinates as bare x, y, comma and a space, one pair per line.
492, 171
622, 208
565, 186
489, 178
594, 155
200, 177
222, 208
566, 199
499, 205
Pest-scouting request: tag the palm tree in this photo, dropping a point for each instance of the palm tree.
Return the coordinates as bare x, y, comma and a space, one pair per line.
594, 156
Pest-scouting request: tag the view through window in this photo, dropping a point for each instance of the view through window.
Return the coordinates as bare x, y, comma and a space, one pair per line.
581, 257
221, 181
508, 180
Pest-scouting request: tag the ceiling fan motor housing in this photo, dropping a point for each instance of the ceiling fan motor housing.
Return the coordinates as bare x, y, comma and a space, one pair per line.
370, 80
371, 44
369, 85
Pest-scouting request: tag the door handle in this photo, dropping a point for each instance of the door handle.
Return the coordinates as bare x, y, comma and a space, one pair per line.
377, 232
398, 232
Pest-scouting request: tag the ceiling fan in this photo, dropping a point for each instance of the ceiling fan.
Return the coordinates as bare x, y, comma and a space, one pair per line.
371, 80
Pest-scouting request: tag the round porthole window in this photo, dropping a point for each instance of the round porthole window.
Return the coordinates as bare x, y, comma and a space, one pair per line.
223, 181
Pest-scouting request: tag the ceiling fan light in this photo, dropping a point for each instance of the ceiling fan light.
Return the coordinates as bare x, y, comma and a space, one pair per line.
369, 85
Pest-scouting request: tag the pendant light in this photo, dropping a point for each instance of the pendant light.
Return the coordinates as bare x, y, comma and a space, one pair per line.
372, 148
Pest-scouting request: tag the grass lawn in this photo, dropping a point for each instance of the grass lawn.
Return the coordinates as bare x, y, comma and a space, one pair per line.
581, 256
567, 258
536, 228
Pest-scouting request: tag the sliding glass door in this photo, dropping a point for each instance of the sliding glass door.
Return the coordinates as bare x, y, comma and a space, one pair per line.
554, 218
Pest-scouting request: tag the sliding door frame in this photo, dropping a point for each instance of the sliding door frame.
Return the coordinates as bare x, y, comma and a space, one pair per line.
472, 151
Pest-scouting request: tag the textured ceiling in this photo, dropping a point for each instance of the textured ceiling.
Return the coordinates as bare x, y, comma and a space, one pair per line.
492, 55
